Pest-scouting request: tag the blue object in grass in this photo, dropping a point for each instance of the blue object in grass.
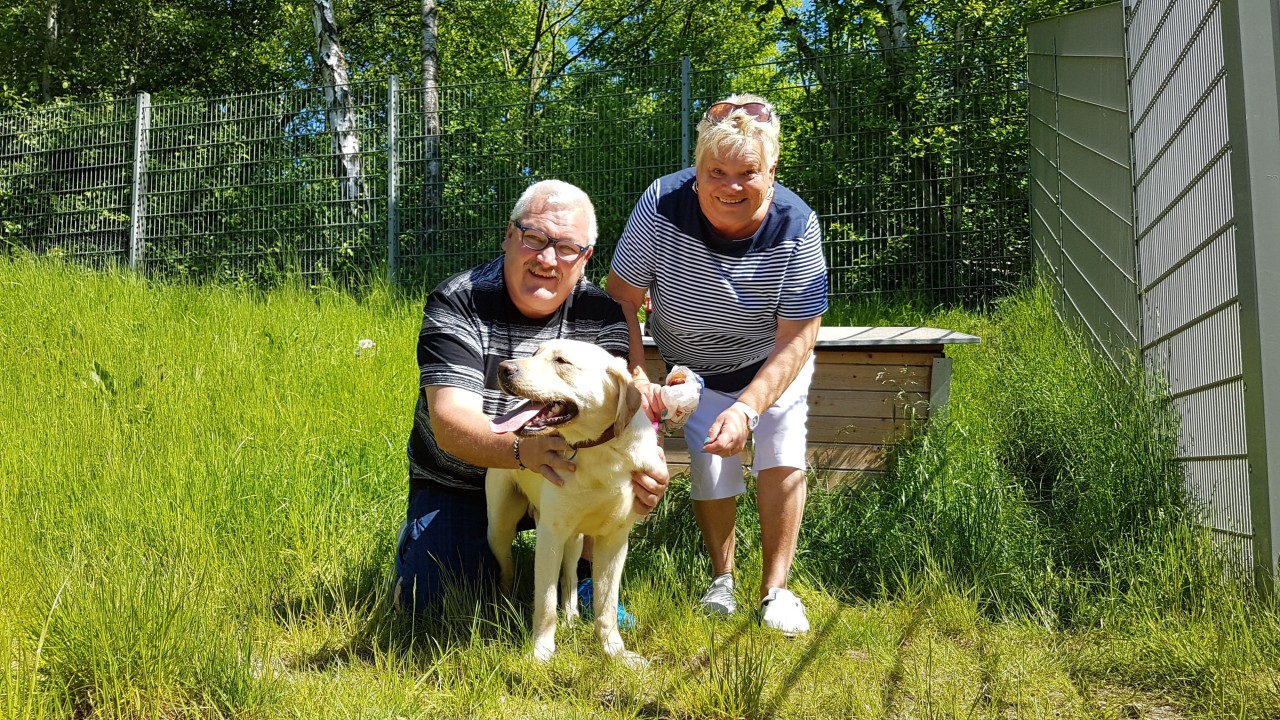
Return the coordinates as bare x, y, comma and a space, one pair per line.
626, 620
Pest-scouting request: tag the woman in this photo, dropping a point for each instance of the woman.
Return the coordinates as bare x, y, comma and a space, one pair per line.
733, 266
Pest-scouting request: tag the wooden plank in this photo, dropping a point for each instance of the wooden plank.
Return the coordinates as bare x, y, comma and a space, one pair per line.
653, 364
885, 336
677, 453
825, 458
836, 457
838, 479
855, 430
867, 403
924, 358
911, 378
824, 429
880, 356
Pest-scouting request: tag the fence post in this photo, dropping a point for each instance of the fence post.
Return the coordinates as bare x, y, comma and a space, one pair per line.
141, 130
684, 111
393, 184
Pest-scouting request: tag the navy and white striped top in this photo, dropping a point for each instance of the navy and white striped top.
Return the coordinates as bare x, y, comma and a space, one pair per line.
716, 303
469, 326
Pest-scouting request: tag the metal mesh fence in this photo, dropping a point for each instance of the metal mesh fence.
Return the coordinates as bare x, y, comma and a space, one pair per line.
249, 186
913, 160
915, 163
609, 132
65, 179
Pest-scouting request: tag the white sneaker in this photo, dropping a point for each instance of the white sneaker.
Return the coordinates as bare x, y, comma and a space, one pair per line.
718, 599
782, 610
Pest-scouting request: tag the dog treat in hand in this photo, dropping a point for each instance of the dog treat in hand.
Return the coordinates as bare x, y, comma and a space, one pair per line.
680, 394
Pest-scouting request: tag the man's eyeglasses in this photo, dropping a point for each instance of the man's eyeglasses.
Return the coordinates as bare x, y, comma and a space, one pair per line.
535, 239
721, 110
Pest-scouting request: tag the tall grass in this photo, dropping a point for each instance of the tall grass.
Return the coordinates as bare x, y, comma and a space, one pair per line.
200, 487
1050, 469
187, 462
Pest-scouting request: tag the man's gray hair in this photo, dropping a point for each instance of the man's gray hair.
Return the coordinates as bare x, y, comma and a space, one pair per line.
556, 195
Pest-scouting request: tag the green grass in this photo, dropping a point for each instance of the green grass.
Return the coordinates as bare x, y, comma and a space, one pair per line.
199, 490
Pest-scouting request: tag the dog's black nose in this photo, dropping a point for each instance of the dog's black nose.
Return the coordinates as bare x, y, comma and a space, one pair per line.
507, 369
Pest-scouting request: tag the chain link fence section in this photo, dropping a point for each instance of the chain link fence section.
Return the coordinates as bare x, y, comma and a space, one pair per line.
610, 132
914, 160
251, 187
66, 175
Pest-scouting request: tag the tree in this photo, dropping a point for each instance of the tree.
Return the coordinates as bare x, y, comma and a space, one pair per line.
341, 116
431, 110
50, 46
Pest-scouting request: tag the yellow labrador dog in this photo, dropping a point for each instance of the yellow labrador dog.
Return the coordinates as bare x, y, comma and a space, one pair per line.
587, 396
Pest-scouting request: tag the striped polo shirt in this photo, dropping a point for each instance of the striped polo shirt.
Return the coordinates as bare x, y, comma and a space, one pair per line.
716, 303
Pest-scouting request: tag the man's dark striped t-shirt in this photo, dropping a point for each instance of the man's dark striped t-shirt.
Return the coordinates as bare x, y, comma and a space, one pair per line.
469, 325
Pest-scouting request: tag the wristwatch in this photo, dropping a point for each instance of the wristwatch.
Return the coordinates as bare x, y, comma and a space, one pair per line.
753, 417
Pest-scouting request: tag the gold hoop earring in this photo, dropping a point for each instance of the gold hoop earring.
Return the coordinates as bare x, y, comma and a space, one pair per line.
695, 187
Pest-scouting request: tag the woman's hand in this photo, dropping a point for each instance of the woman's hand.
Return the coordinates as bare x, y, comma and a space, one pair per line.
728, 433
651, 401
649, 487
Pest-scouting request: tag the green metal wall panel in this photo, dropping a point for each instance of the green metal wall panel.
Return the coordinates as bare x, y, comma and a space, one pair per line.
1251, 44
1081, 183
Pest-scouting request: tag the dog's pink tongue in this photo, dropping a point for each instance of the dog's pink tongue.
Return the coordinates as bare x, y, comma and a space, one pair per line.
517, 418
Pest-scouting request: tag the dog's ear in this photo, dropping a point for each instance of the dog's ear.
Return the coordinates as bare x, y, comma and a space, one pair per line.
628, 398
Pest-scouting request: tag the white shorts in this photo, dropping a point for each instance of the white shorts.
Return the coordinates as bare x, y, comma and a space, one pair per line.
779, 439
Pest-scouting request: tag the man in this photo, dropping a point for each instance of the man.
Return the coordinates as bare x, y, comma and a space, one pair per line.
500, 310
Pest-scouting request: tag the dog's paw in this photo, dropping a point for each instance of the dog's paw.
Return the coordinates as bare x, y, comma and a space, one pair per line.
543, 653
620, 653
635, 661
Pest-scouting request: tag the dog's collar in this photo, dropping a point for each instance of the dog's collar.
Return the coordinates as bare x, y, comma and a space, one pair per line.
606, 437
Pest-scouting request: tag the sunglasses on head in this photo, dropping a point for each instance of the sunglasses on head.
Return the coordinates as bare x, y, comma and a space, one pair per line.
721, 110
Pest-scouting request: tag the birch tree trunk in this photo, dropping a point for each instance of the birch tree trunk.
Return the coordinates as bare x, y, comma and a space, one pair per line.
535, 55
341, 116
431, 112
50, 47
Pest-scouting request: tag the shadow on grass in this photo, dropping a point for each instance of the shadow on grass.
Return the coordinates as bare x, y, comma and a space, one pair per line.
816, 639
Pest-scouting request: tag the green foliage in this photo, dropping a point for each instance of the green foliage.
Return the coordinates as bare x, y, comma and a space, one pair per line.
739, 676
119, 47
66, 189
910, 147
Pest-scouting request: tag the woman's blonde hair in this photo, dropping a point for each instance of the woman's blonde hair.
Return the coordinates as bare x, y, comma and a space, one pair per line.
738, 132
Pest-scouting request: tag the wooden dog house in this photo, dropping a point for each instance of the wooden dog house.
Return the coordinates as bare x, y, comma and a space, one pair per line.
870, 385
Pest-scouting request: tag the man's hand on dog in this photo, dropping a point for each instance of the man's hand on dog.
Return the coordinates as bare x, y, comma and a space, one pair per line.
546, 454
